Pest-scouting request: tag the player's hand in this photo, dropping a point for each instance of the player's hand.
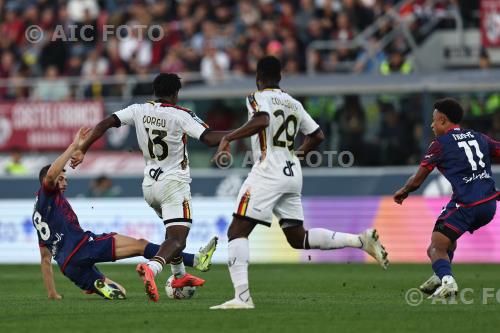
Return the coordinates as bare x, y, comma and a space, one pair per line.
76, 158
81, 136
400, 196
224, 148
55, 296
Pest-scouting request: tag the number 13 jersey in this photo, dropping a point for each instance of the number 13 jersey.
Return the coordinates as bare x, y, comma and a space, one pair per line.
276, 165
161, 131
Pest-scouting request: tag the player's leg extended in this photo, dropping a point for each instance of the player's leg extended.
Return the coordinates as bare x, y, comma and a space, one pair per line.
289, 211
238, 258
127, 247
324, 239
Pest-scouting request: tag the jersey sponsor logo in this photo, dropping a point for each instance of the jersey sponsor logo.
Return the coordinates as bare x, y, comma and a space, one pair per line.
155, 173
476, 176
287, 170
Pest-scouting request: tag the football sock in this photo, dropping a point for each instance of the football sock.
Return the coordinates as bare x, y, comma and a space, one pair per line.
450, 255
152, 249
441, 267
177, 266
324, 239
238, 256
156, 264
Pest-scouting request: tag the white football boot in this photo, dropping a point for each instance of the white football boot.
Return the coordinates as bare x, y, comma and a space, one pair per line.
431, 285
234, 304
448, 288
371, 245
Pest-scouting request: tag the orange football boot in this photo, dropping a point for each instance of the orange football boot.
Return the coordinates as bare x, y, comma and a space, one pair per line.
187, 280
149, 281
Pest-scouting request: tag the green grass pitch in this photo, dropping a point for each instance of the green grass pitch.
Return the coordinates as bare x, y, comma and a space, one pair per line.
289, 298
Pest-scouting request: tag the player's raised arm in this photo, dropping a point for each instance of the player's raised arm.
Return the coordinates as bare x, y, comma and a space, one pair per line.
259, 122
58, 165
96, 133
48, 274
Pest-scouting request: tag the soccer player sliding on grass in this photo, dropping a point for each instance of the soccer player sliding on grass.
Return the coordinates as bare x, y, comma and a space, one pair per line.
76, 251
464, 158
274, 185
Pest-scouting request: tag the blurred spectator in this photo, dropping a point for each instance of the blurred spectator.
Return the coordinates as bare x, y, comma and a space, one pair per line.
15, 167
484, 59
396, 64
133, 47
52, 87
78, 10
103, 187
214, 65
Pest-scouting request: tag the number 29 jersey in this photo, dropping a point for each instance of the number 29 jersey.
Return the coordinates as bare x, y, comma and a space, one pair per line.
276, 165
464, 158
161, 131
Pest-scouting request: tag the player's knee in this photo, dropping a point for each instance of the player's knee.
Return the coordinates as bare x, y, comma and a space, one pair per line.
178, 243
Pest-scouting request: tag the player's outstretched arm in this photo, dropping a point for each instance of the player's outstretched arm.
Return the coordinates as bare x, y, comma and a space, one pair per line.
48, 274
311, 141
96, 133
258, 123
412, 184
58, 165
213, 138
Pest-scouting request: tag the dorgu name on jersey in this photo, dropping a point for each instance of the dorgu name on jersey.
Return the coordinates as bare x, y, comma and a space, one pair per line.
154, 121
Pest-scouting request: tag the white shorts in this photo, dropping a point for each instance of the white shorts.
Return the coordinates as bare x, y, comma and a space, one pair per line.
171, 200
258, 204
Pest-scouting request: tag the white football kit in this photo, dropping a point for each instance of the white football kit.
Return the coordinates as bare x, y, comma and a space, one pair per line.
274, 184
161, 131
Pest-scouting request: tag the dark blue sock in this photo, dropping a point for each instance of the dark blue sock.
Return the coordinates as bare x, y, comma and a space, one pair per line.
450, 255
152, 249
442, 267
188, 259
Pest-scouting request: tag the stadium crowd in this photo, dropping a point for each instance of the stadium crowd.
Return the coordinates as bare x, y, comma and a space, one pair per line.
215, 38
218, 38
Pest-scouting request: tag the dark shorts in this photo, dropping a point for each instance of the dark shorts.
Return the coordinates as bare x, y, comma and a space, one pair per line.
80, 267
454, 221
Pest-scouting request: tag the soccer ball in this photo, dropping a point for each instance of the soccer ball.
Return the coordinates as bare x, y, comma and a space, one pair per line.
178, 293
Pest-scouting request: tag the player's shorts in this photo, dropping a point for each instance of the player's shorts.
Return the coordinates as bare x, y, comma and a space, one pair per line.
80, 266
454, 221
258, 204
171, 200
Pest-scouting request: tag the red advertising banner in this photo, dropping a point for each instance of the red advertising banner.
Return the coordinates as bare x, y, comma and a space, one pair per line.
46, 125
490, 23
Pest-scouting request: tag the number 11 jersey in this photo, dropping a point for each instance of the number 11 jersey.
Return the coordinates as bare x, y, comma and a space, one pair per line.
161, 130
464, 158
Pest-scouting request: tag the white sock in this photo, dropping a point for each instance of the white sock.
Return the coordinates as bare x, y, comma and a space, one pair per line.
196, 259
178, 269
238, 256
325, 239
155, 266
